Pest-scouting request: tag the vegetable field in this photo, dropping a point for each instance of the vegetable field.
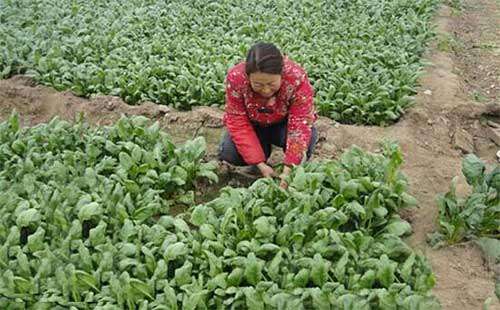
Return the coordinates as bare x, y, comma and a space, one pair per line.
363, 56
107, 203
85, 223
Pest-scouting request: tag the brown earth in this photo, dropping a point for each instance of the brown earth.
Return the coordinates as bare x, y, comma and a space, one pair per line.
445, 123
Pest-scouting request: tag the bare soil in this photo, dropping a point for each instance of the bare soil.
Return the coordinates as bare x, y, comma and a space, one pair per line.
445, 123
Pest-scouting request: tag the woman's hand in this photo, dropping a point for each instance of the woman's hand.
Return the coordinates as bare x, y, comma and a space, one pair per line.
266, 170
283, 175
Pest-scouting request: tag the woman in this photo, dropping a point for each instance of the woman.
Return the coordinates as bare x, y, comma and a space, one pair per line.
269, 101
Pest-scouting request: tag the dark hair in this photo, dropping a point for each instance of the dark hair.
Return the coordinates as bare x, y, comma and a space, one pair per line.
264, 57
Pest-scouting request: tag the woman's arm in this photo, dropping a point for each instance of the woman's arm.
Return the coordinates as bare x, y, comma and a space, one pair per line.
300, 120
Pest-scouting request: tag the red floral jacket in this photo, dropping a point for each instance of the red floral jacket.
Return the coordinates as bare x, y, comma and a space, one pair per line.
294, 101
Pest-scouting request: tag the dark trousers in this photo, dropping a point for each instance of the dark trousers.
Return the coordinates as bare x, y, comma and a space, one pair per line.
268, 136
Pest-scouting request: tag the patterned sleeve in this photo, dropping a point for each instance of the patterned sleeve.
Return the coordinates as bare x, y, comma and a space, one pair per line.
238, 124
301, 117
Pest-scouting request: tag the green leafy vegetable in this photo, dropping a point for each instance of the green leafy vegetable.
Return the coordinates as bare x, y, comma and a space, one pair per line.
363, 58
87, 235
475, 216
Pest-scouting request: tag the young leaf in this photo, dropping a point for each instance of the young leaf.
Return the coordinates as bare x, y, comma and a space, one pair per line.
273, 269
340, 267
183, 274
399, 227
219, 281
263, 227
367, 279
385, 271
88, 211
28, 217
253, 269
235, 277
319, 270
473, 169
301, 278
320, 299
253, 299
141, 288
175, 250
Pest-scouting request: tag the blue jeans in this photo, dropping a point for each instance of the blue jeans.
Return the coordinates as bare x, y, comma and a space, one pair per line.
268, 136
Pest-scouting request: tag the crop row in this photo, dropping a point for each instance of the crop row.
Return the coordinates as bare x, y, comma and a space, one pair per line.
84, 222
363, 56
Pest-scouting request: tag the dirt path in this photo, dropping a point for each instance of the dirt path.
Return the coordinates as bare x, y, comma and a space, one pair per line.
445, 122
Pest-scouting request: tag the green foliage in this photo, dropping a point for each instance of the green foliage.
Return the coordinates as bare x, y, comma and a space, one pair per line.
474, 216
363, 57
76, 211
332, 240
322, 243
